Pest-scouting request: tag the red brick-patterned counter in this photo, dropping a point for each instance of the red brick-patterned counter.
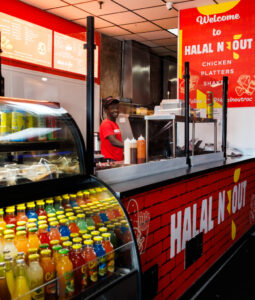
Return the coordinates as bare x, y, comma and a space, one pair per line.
185, 226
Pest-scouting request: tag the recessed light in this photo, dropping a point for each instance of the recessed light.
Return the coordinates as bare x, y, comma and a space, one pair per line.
44, 78
174, 31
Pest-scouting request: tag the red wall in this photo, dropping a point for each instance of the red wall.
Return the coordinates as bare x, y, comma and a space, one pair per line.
150, 214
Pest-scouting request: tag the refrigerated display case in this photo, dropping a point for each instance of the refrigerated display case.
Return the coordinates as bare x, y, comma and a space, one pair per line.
42, 165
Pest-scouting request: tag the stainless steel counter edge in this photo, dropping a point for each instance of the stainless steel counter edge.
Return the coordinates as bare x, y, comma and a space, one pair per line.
128, 188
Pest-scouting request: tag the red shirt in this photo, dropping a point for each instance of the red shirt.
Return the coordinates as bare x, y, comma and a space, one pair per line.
107, 128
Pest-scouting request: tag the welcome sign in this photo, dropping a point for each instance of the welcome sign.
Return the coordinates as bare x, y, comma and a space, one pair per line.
219, 40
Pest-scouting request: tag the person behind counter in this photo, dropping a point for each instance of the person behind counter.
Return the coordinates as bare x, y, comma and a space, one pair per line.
109, 131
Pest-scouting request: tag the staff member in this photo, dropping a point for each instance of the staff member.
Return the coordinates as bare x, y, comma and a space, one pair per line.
109, 131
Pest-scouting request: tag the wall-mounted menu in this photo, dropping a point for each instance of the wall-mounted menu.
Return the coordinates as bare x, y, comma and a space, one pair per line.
69, 54
25, 41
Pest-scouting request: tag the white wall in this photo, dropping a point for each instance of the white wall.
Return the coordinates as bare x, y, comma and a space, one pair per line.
70, 93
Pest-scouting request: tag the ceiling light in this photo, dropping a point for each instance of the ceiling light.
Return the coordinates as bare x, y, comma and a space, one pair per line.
174, 31
44, 78
69, 48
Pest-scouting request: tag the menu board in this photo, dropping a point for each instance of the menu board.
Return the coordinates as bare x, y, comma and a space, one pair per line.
25, 41
70, 55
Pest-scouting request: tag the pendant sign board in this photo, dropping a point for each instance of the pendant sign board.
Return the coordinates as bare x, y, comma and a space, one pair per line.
218, 40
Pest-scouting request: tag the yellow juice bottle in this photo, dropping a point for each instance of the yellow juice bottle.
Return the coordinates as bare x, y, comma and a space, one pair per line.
9, 274
22, 289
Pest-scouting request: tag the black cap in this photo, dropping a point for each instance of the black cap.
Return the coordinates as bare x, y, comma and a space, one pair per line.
109, 100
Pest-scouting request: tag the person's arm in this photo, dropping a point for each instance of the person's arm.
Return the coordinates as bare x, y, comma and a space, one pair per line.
114, 141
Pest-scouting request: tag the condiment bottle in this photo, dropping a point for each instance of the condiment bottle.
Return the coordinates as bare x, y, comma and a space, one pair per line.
141, 152
133, 151
127, 151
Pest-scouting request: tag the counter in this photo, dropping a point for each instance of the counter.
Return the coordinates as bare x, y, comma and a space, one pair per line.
186, 219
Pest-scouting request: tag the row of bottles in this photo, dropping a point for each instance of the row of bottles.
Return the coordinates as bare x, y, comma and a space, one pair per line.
16, 120
134, 151
62, 245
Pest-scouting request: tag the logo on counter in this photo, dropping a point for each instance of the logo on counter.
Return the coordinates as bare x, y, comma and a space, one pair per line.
198, 218
141, 223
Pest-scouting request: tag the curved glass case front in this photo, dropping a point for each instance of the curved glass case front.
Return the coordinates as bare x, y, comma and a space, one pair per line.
38, 141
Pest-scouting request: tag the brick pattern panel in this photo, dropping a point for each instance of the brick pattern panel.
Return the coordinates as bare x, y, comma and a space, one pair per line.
221, 204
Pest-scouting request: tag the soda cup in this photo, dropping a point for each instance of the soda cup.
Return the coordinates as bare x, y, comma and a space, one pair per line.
209, 104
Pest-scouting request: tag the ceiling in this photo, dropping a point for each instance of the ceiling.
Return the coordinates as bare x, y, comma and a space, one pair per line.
145, 21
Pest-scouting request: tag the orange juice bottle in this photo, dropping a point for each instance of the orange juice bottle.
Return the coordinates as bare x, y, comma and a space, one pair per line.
21, 213
65, 276
2, 222
109, 250
141, 152
91, 261
54, 233
49, 274
21, 242
33, 239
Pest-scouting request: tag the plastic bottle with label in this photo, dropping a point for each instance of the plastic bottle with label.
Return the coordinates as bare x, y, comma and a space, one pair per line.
133, 151
127, 151
35, 275
141, 150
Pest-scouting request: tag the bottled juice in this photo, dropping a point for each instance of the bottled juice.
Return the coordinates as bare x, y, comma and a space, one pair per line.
110, 213
55, 253
10, 275
113, 237
80, 270
21, 213
92, 195
54, 233
49, 274
22, 288
35, 276
99, 194
21, 242
86, 197
43, 234
73, 200
66, 277
4, 291
66, 202
63, 229
49, 206
118, 233
40, 209
110, 264
100, 253
141, 150
58, 204
89, 219
9, 245
31, 211
95, 215
103, 214
81, 222
73, 227
91, 261
10, 217
2, 221
79, 198
33, 239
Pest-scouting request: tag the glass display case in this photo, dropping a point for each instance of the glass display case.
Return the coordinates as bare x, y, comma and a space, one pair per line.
64, 234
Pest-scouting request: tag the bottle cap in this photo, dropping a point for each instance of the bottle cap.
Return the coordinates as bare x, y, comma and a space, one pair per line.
102, 229
20, 233
44, 246
81, 216
53, 219
67, 244
56, 247
69, 214
49, 201
94, 232
42, 218
91, 228
51, 215
64, 238
21, 207
54, 242
97, 238
43, 226
87, 236
88, 242
58, 198
9, 236
20, 228
33, 256
46, 252
60, 217
30, 205
32, 250
74, 235
42, 222
72, 218
77, 246
106, 235
63, 221
80, 194
32, 220
31, 225
33, 229
59, 212
8, 231
63, 251
77, 240
83, 231
21, 223
65, 197
54, 223
10, 226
